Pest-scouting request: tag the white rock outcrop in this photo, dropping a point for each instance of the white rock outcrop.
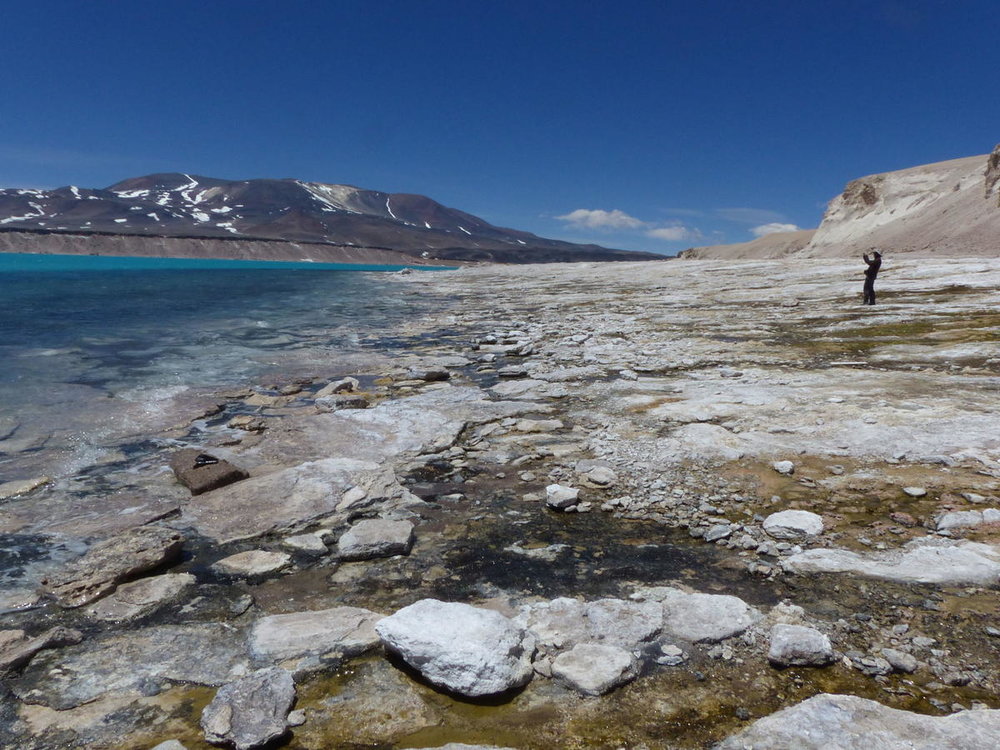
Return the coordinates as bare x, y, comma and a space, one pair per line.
459, 647
847, 722
921, 561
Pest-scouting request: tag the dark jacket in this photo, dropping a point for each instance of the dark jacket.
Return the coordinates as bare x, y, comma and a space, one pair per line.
873, 265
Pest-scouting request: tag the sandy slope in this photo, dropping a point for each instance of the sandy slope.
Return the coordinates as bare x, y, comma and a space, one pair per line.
950, 208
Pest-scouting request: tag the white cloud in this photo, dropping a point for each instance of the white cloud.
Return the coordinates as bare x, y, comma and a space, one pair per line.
773, 228
600, 219
674, 233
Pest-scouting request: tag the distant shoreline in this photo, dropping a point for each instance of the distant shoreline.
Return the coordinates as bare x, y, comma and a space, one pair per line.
203, 248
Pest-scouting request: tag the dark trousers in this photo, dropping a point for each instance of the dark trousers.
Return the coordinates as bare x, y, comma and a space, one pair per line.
869, 291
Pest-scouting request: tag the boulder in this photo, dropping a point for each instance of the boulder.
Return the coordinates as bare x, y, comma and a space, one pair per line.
701, 618
133, 600
201, 472
784, 467
793, 524
255, 562
375, 537
564, 622
921, 561
341, 632
799, 646
594, 668
251, 711
559, 497
110, 562
461, 648
847, 722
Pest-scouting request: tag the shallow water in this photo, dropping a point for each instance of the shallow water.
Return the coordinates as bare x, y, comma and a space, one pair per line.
72, 339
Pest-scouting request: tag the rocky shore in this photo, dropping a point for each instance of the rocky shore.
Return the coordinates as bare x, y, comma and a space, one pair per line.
675, 505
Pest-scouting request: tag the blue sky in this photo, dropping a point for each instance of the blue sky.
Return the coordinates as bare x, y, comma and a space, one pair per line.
641, 125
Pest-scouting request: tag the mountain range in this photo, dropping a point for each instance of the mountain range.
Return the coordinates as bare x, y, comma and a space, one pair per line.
949, 208
324, 222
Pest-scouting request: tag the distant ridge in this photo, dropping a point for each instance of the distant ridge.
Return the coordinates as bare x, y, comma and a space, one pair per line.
177, 205
947, 208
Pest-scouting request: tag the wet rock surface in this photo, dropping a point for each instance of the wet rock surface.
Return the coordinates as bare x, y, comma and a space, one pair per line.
251, 711
672, 403
112, 561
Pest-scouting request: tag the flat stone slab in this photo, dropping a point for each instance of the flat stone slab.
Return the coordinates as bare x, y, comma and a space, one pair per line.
426, 422
201, 472
701, 618
132, 663
461, 648
255, 562
340, 632
375, 537
564, 622
274, 501
921, 561
251, 711
112, 561
133, 600
594, 668
847, 722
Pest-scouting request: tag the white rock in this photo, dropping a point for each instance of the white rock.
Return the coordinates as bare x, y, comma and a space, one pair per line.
170, 745
784, 467
464, 649
593, 668
921, 561
327, 633
701, 618
799, 646
793, 524
564, 622
255, 562
959, 519
846, 722
560, 497
376, 537
915, 491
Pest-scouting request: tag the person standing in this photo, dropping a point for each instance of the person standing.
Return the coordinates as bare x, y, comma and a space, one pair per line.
870, 273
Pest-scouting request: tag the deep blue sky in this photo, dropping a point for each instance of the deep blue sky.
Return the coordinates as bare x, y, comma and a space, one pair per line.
699, 119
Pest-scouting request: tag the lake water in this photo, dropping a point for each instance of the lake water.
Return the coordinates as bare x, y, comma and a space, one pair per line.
83, 338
